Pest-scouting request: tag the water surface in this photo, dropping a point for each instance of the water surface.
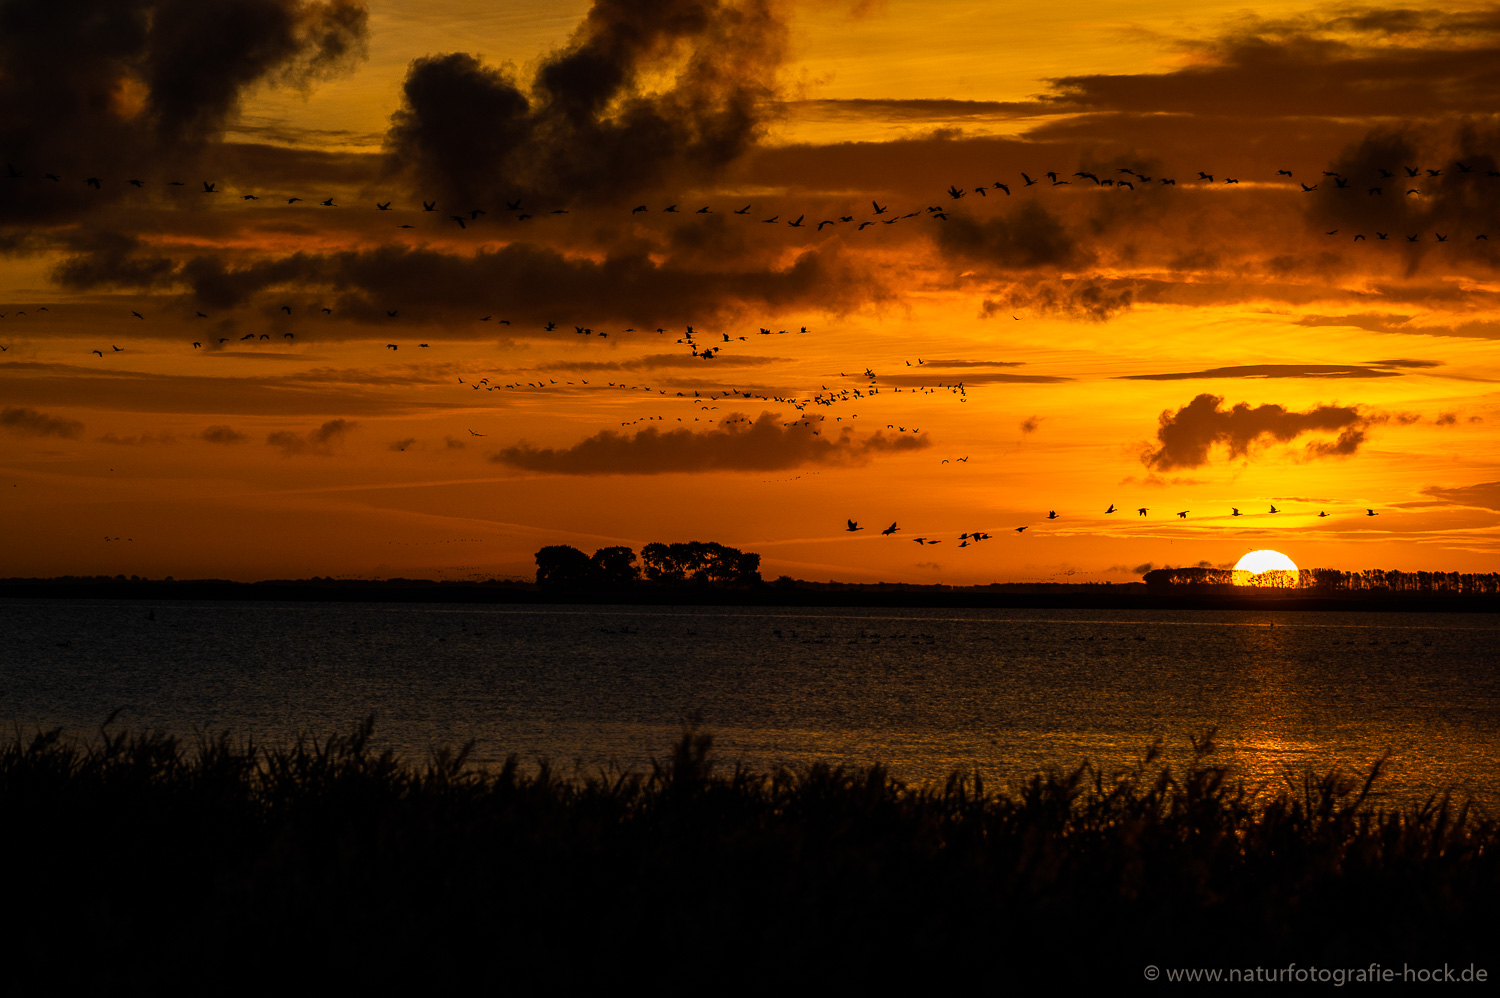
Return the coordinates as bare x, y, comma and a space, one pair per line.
924, 691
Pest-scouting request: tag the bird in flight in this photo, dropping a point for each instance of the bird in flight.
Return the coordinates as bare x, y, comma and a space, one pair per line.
1183, 515
473, 434
888, 531
209, 188
1051, 514
853, 526
1020, 530
1371, 512
1142, 511
1275, 510
1111, 508
1234, 511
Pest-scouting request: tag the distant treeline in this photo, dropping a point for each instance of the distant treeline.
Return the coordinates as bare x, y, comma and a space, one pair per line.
1330, 580
696, 563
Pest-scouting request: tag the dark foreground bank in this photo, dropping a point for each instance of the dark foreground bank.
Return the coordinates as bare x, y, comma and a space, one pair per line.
140, 859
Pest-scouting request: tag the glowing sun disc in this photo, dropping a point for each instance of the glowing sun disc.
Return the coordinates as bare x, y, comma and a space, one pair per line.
1265, 561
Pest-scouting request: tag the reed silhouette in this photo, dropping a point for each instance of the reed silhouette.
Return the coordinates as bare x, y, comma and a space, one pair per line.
329, 861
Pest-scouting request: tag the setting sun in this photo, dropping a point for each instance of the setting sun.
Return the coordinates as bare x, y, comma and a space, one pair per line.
1265, 561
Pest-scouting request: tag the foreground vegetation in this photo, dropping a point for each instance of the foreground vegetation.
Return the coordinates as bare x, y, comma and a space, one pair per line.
136, 858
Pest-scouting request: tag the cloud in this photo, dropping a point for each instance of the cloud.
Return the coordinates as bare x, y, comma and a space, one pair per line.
401, 445
220, 434
627, 284
108, 87
1029, 237
30, 423
319, 441
1485, 495
1188, 435
973, 378
593, 123
1271, 371
1030, 424
1094, 298
138, 439
1352, 62
766, 444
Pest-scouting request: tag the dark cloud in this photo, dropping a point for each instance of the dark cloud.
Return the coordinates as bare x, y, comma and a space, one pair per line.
1271, 371
1094, 298
1485, 495
586, 126
319, 441
1030, 424
107, 88
432, 285
113, 260
401, 445
1188, 435
220, 434
1406, 362
30, 423
767, 444
1458, 203
1353, 63
1029, 237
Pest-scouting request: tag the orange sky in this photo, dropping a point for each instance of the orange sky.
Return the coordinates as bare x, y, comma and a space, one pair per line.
1193, 347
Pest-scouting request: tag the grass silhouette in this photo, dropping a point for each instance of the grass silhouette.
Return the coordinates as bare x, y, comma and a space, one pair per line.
139, 857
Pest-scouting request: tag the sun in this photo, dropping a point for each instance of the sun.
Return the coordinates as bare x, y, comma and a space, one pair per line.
1265, 561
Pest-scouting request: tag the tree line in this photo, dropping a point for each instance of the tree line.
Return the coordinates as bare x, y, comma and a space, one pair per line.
1330, 580
695, 563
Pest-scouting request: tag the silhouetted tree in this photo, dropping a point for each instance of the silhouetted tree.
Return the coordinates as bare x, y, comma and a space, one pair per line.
700, 563
562, 565
614, 566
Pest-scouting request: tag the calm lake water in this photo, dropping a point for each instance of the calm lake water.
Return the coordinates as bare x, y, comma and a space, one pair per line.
924, 691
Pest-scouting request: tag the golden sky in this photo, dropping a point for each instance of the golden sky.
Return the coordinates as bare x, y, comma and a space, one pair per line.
351, 390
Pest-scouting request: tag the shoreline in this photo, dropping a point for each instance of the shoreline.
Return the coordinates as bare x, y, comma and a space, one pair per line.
1044, 596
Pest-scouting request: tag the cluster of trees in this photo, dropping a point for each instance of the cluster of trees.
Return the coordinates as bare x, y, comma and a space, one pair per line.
700, 563
1331, 580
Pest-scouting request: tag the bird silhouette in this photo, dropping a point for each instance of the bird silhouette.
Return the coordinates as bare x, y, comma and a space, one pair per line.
1275, 510
888, 531
1371, 512
1051, 514
853, 526
1142, 511
1183, 515
1234, 511
1111, 508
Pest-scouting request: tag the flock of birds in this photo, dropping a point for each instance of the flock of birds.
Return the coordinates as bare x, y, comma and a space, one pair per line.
1125, 178
880, 214
972, 537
